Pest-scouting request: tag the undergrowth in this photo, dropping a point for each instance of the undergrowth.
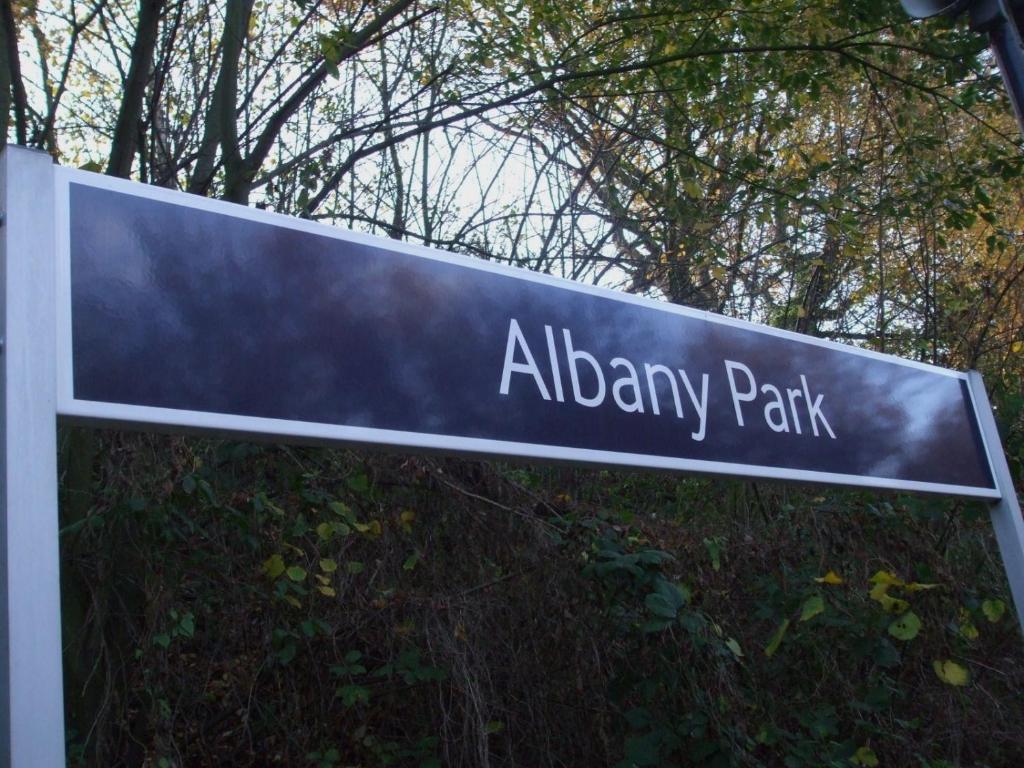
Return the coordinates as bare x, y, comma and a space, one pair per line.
237, 604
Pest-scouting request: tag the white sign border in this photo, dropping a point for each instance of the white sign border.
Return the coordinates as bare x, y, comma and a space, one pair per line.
121, 415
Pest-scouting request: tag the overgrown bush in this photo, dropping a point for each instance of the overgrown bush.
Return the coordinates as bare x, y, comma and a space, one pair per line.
237, 604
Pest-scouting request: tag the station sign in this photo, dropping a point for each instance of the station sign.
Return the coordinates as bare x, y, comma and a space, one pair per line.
178, 310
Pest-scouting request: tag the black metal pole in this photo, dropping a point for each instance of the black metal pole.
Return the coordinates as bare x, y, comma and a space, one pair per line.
1001, 21
1004, 37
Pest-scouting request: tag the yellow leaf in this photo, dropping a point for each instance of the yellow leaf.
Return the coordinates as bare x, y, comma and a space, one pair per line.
831, 577
865, 756
967, 629
328, 566
407, 518
273, 566
916, 587
951, 673
880, 592
326, 591
325, 531
323, 579
887, 578
292, 600
372, 529
892, 604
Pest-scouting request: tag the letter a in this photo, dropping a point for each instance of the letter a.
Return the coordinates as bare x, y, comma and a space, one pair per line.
515, 337
778, 405
631, 381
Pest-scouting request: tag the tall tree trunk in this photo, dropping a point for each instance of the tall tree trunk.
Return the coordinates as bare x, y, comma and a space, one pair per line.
221, 130
10, 79
5, 80
129, 118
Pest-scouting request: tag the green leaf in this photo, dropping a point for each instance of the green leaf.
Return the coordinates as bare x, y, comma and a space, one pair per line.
692, 187
411, 561
659, 605
351, 695
359, 483
328, 566
813, 605
993, 610
734, 646
354, 567
714, 548
906, 626
341, 509
656, 625
287, 653
296, 573
776, 641
643, 750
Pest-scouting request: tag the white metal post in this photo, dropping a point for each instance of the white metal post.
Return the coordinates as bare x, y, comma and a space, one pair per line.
1006, 515
31, 683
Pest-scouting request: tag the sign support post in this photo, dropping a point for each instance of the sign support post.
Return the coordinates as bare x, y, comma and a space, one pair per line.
1006, 514
31, 682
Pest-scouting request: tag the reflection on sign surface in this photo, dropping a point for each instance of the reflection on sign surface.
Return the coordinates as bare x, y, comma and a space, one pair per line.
178, 303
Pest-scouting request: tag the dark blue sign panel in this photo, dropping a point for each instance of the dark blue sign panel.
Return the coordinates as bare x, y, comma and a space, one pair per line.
191, 312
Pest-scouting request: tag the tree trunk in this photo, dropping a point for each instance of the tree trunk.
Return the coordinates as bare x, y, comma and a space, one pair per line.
129, 118
10, 79
221, 129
